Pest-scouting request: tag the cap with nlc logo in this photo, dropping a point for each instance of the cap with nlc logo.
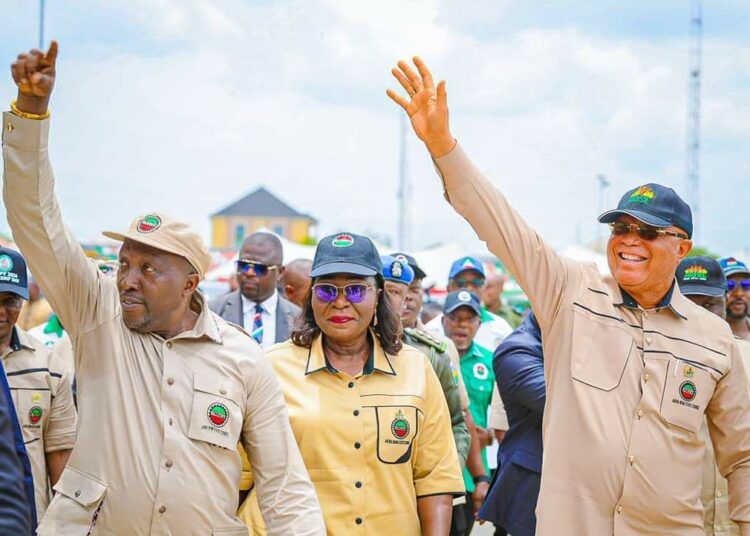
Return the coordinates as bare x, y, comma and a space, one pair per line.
702, 276
462, 298
654, 205
13, 275
346, 253
167, 234
397, 269
466, 263
732, 266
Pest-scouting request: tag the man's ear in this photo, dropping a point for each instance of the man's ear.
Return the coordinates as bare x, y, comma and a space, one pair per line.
191, 284
282, 269
684, 248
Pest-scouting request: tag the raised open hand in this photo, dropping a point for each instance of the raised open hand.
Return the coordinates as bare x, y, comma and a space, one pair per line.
34, 74
427, 106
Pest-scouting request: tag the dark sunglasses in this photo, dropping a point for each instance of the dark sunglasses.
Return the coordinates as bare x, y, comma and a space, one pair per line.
733, 283
463, 282
354, 292
257, 268
644, 231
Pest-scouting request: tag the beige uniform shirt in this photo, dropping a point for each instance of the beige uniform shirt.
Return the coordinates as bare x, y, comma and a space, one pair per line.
627, 389
43, 398
715, 494
159, 419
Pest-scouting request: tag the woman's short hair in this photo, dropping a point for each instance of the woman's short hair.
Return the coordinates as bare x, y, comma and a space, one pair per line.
388, 328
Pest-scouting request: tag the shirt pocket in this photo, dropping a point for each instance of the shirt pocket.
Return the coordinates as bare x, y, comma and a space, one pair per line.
215, 416
687, 391
600, 352
397, 427
32, 408
75, 508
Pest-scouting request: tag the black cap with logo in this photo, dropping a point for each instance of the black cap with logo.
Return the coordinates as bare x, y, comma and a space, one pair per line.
462, 298
13, 275
655, 205
346, 253
701, 275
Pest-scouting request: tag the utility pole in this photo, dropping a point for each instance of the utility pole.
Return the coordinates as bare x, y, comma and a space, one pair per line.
41, 25
403, 187
602, 183
694, 113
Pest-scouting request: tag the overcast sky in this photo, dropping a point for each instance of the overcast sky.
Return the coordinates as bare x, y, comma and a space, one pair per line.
185, 105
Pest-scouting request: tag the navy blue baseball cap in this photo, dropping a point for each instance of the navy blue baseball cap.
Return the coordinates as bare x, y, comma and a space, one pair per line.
13, 275
346, 253
732, 266
462, 298
466, 263
397, 269
701, 275
654, 205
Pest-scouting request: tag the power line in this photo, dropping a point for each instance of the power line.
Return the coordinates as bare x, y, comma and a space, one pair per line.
694, 112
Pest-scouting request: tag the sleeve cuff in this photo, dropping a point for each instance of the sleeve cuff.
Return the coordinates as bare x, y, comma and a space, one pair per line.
27, 134
452, 168
64, 441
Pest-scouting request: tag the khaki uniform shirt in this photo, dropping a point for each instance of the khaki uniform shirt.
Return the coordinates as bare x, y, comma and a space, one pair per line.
452, 352
374, 443
43, 398
715, 494
627, 389
159, 419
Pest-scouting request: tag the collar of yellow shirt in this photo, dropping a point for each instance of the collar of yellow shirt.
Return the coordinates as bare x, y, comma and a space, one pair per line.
378, 360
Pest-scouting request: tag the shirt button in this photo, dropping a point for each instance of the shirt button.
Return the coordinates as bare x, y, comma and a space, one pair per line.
223, 391
648, 340
645, 378
356, 413
351, 385
169, 345
78, 491
357, 445
170, 381
718, 493
631, 459
619, 509
168, 464
358, 521
358, 484
640, 413
170, 421
645, 314
9, 127
162, 509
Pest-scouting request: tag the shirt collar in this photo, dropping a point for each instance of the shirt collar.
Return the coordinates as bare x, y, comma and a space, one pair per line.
672, 300
269, 304
205, 326
19, 340
378, 360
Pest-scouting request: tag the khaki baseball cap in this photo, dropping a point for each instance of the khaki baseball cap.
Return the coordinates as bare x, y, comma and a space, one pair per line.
167, 234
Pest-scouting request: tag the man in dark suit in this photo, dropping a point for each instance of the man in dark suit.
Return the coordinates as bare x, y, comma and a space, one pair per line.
519, 369
256, 305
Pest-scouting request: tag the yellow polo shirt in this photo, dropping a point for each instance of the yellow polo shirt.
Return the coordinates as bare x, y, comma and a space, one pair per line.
373, 443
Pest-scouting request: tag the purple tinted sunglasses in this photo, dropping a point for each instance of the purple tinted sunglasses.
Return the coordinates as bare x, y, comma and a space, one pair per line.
354, 292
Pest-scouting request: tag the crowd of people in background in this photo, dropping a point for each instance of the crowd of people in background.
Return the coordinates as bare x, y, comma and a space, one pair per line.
329, 397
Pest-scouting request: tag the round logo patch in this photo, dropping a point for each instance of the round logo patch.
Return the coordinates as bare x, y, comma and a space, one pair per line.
343, 241
148, 224
688, 391
464, 296
480, 371
35, 415
6, 263
218, 414
400, 427
396, 269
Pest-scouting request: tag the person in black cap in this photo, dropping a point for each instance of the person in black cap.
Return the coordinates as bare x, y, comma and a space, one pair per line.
368, 412
632, 366
41, 383
703, 282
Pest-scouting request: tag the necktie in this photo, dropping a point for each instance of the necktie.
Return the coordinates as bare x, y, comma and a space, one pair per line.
257, 332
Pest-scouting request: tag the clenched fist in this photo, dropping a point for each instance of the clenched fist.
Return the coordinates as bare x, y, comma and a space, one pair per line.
34, 74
